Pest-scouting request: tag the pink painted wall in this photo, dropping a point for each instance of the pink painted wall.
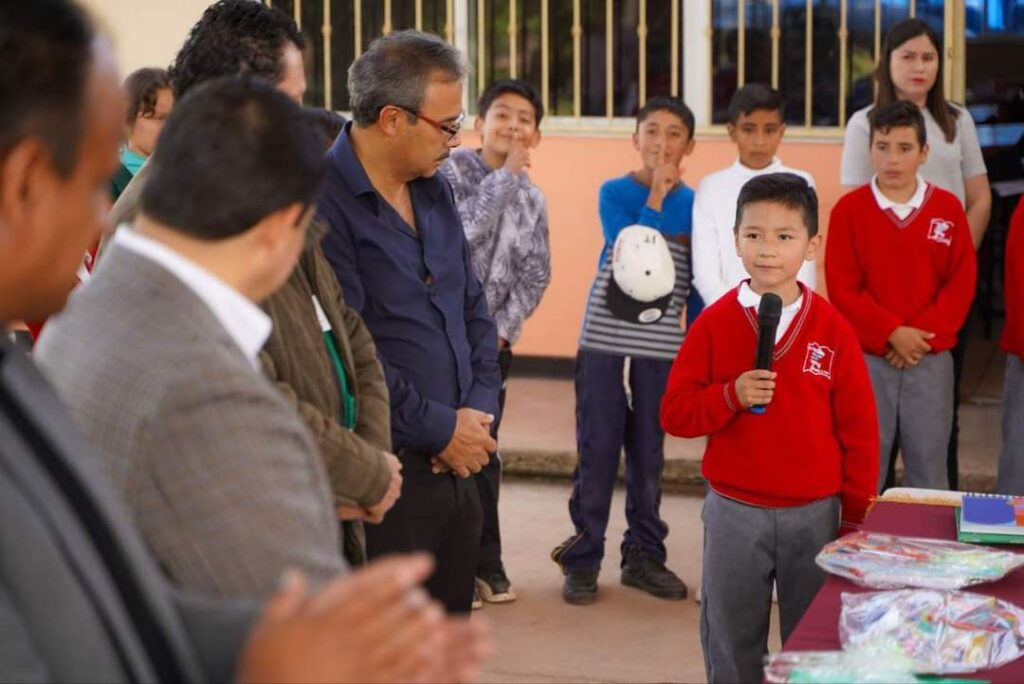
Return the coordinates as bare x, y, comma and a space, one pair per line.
570, 169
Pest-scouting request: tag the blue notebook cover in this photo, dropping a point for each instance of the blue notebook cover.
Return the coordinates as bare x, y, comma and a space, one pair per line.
991, 513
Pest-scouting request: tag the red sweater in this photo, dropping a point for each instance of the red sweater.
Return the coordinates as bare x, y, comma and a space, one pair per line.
1013, 333
883, 273
819, 435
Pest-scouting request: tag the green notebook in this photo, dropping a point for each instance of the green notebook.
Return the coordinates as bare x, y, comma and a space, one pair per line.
984, 538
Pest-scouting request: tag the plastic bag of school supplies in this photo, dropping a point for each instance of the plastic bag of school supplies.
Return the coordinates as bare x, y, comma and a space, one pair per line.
941, 631
882, 663
884, 561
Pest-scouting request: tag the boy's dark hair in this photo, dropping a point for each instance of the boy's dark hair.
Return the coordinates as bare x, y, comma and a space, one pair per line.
234, 151
755, 96
787, 189
943, 112
234, 38
513, 87
325, 122
46, 53
141, 89
662, 103
898, 114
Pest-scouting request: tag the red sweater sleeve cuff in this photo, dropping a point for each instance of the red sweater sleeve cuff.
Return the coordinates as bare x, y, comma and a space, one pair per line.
732, 400
883, 331
854, 509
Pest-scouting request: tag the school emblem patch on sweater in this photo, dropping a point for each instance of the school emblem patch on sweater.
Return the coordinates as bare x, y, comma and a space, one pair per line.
819, 360
941, 231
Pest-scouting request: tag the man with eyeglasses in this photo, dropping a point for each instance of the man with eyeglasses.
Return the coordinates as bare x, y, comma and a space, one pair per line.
397, 246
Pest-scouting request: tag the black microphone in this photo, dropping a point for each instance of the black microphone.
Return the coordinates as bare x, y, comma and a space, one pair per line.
768, 315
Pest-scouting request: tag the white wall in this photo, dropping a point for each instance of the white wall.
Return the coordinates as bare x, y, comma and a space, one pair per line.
146, 33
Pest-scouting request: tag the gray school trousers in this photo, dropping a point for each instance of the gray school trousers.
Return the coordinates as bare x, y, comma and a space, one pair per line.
918, 402
1011, 459
747, 549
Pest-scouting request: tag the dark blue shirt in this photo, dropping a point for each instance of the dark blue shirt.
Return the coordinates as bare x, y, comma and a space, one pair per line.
420, 298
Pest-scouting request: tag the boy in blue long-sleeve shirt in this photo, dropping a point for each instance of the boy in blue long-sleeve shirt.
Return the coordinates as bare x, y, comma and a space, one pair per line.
622, 368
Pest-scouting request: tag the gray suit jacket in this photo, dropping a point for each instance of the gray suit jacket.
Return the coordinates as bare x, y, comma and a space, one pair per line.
222, 477
80, 598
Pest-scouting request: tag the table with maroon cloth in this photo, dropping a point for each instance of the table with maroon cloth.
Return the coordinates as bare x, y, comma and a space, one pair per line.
819, 628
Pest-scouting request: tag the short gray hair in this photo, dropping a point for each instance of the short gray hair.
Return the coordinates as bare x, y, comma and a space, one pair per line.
396, 69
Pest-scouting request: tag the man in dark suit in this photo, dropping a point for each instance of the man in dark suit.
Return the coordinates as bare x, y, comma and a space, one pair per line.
80, 598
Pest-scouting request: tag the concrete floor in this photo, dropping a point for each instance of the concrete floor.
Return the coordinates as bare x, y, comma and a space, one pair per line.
627, 636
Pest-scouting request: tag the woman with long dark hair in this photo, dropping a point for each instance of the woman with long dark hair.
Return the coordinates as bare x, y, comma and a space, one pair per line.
910, 68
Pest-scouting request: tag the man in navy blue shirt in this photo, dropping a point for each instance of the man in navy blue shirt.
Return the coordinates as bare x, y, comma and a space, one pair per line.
400, 254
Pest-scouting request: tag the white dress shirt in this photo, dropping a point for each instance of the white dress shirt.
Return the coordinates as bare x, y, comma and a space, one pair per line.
751, 300
244, 322
716, 266
902, 211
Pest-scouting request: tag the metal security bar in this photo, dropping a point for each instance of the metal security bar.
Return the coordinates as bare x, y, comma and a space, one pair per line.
328, 79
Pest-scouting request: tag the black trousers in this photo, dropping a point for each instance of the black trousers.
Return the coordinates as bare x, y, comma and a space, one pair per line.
439, 514
488, 484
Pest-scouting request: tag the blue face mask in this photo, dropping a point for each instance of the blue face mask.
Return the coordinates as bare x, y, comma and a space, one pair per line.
132, 161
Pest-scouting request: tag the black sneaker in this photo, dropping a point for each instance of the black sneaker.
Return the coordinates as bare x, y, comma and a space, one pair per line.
477, 601
580, 587
643, 571
495, 587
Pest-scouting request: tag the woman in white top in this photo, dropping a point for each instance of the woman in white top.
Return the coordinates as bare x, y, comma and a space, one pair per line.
910, 68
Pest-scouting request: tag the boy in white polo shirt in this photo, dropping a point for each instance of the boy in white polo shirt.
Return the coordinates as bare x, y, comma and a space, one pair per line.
756, 125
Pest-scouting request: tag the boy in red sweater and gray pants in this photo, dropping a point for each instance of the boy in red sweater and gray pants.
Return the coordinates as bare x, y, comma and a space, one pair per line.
900, 266
779, 483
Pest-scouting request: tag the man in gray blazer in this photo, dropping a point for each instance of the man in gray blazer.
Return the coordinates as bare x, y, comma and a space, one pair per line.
157, 357
80, 598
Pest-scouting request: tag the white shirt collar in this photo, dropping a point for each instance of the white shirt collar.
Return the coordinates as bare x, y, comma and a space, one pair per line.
751, 300
901, 210
244, 322
747, 172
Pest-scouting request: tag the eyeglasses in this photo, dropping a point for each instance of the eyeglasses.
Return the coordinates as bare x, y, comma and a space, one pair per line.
450, 129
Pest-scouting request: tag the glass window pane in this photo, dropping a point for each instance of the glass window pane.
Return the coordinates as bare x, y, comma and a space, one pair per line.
528, 43
626, 49
860, 51
592, 57
496, 27
312, 28
403, 14
343, 44
894, 11
758, 58
373, 20
659, 48
793, 59
825, 80
560, 63
933, 12
724, 57
435, 17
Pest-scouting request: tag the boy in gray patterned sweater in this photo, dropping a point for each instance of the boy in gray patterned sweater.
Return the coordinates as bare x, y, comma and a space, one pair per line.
506, 223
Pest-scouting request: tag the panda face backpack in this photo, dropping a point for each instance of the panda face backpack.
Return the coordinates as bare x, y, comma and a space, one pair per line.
643, 276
